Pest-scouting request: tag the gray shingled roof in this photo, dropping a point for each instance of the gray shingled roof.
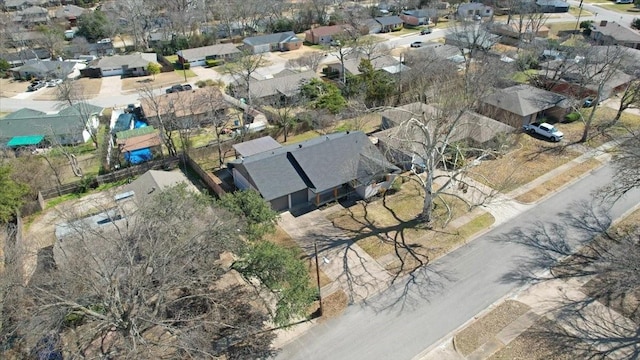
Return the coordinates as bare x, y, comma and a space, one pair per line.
320, 164
256, 146
287, 84
69, 11
57, 68
213, 50
389, 20
616, 31
524, 99
133, 60
287, 36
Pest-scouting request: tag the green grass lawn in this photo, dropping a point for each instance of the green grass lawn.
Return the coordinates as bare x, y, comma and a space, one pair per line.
189, 73
574, 10
555, 28
172, 58
523, 77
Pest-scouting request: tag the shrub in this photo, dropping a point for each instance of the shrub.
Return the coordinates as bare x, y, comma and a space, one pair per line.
185, 66
207, 82
214, 62
636, 23
571, 117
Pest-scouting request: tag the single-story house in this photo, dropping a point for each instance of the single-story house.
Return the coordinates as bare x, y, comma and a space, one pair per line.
325, 34
513, 30
21, 38
23, 56
583, 81
283, 41
402, 146
386, 63
158, 37
473, 9
70, 126
419, 17
125, 65
33, 15
437, 50
472, 38
284, 84
611, 33
552, 6
70, 13
523, 104
15, 5
47, 69
315, 171
90, 52
389, 23
199, 56
185, 109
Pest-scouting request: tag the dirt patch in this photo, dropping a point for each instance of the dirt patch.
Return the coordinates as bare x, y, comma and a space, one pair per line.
530, 159
333, 305
570, 175
534, 345
600, 134
10, 87
161, 80
297, 53
488, 326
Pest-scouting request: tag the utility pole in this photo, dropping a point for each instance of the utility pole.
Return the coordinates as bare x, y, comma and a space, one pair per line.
315, 247
579, 13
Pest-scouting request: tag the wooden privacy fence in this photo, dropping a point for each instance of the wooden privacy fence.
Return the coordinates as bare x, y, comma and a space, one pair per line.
208, 179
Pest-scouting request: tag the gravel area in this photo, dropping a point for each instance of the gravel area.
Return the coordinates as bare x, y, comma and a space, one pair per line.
485, 328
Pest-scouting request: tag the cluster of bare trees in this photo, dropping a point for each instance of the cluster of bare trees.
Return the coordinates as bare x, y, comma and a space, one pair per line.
145, 282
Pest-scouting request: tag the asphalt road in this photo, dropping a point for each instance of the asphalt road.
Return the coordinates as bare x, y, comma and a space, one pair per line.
403, 321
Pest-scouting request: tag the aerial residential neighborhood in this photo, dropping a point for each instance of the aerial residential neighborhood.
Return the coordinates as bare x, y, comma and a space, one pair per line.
319, 180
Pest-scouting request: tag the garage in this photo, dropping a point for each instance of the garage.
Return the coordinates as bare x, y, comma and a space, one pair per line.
280, 204
112, 71
299, 198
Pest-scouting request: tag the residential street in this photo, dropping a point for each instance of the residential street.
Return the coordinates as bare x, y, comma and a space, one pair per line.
406, 319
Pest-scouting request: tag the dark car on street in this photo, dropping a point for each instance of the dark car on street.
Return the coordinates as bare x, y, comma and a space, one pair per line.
426, 31
35, 85
178, 88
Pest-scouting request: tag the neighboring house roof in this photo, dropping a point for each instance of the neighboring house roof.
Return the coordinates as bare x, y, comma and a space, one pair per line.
386, 62
138, 60
319, 164
25, 140
473, 36
34, 10
140, 138
25, 55
616, 31
421, 13
160, 36
213, 50
20, 36
439, 50
285, 83
287, 36
552, 3
256, 146
49, 67
154, 181
328, 30
69, 11
26, 122
389, 20
524, 99
185, 103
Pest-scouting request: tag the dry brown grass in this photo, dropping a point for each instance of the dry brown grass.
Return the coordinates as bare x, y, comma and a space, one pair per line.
488, 326
89, 88
333, 305
10, 87
389, 226
161, 80
573, 131
548, 186
530, 159
530, 345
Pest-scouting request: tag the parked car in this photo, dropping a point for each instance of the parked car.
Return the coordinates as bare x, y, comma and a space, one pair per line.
54, 82
178, 88
36, 85
624, 1
544, 129
416, 44
589, 102
426, 31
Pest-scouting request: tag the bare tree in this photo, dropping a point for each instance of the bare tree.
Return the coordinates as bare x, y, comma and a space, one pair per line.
243, 68
145, 282
627, 175
71, 94
156, 109
434, 137
309, 60
211, 102
630, 98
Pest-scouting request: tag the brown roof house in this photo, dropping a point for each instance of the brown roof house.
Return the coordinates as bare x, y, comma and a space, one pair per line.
611, 33
316, 171
185, 109
402, 147
325, 34
523, 104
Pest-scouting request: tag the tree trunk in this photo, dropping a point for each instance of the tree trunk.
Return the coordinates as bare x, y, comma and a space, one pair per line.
427, 207
587, 124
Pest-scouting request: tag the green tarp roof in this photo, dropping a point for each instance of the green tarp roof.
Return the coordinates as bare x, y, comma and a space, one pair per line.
25, 140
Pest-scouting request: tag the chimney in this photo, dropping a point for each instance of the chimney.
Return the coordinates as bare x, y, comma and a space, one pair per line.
299, 146
603, 23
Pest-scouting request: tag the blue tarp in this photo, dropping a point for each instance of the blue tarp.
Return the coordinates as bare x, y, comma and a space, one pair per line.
138, 156
139, 124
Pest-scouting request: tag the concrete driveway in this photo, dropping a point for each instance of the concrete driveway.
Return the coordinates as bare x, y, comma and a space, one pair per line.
348, 266
111, 85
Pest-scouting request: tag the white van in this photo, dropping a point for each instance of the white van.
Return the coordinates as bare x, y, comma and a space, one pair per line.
624, 1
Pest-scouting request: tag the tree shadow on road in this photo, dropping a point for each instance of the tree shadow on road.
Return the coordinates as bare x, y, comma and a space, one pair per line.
594, 269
